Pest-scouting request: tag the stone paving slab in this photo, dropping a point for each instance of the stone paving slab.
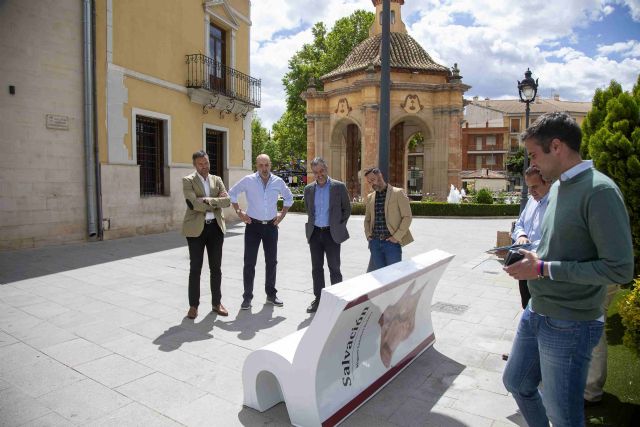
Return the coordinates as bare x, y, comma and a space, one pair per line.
95, 334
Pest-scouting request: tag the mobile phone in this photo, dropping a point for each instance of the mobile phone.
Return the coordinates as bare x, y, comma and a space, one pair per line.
512, 257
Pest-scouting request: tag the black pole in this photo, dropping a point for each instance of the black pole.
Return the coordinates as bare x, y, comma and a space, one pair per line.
383, 154
525, 164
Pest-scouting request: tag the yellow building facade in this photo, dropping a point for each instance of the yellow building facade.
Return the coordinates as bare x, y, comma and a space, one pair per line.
107, 101
172, 77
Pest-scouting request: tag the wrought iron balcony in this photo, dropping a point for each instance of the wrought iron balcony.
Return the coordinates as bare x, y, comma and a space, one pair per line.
208, 74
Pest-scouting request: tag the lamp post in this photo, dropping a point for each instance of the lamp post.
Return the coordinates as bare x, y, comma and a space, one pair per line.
527, 90
385, 84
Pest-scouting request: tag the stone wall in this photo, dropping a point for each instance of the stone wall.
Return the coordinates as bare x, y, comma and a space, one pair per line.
42, 171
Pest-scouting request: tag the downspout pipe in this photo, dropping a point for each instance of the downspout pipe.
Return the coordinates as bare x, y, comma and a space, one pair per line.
89, 128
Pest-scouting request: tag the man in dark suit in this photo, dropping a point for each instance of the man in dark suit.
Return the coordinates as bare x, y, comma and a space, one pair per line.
328, 209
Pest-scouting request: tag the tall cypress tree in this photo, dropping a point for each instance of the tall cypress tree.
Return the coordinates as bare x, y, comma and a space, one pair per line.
611, 137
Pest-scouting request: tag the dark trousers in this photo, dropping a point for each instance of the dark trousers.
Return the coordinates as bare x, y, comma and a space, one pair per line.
255, 233
525, 296
212, 239
321, 244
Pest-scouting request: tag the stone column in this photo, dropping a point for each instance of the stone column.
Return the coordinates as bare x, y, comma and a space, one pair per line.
455, 152
311, 145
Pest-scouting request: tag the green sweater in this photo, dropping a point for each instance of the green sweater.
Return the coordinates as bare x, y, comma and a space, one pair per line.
587, 238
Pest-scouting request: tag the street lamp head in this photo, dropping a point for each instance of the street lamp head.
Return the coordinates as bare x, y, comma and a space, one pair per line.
527, 88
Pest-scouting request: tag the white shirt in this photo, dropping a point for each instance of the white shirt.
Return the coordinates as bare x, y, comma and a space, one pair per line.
207, 191
580, 167
530, 221
262, 199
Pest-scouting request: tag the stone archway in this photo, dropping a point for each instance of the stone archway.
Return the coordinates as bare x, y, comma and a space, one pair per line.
411, 168
415, 165
353, 157
397, 156
344, 155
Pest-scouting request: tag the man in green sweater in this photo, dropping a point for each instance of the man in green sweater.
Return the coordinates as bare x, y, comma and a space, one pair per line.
585, 246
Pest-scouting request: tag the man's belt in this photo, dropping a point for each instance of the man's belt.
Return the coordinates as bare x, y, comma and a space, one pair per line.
209, 221
380, 236
321, 228
260, 221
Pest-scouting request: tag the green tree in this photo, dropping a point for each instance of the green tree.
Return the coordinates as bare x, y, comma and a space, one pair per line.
611, 137
261, 142
290, 132
327, 51
515, 163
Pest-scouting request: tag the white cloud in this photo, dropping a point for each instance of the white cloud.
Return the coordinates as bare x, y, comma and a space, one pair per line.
504, 40
628, 49
634, 7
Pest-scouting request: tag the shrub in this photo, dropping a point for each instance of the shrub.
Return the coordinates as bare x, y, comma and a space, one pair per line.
463, 209
483, 196
435, 209
629, 310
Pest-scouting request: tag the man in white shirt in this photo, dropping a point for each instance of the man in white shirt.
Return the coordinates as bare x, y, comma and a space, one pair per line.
262, 218
527, 229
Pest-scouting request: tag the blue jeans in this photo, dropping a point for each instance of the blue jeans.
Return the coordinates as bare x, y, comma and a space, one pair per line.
555, 353
383, 253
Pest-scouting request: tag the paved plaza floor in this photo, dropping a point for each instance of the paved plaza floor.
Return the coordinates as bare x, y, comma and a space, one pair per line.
96, 334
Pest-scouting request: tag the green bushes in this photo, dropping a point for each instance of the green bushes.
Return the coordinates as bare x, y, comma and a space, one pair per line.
483, 196
629, 310
436, 209
463, 209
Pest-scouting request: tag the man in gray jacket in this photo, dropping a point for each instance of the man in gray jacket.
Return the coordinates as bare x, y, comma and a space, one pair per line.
328, 209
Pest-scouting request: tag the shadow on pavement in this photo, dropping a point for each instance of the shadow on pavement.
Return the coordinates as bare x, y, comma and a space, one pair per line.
611, 412
247, 323
426, 379
187, 331
32, 263
306, 322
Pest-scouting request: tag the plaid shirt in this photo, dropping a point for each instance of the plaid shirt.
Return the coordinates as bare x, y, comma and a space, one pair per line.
380, 230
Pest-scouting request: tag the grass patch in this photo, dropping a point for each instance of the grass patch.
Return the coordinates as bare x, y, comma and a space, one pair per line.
621, 401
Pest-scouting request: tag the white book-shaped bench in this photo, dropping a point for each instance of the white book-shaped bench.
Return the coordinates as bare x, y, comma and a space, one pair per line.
365, 332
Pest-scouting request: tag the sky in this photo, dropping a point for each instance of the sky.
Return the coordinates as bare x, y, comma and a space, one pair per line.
571, 46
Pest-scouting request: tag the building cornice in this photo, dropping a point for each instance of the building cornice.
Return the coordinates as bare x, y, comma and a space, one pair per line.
147, 78
229, 20
358, 85
318, 116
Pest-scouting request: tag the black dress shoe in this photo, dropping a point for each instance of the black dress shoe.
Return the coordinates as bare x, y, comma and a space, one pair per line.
313, 307
591, 403
246, 304
275, 301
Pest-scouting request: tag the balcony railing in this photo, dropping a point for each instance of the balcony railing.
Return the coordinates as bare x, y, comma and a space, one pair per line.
206, 73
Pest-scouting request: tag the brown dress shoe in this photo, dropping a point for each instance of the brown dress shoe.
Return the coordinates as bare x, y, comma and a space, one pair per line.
193, 312
220, 310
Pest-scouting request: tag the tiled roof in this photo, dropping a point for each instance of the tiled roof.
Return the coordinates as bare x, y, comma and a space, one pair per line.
540, 105
405, 53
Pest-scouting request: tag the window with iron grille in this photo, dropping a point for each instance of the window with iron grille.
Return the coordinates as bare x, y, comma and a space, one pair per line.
150, 152
214, 145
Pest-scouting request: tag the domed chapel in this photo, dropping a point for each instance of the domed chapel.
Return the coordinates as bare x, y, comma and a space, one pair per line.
426, 97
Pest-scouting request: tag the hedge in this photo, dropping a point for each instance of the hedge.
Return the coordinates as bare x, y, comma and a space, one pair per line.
435, 209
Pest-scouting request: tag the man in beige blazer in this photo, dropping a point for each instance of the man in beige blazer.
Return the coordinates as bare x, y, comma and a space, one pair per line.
204, 227
386, 221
